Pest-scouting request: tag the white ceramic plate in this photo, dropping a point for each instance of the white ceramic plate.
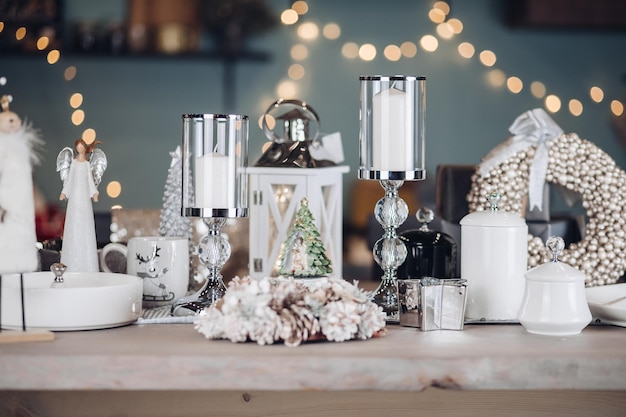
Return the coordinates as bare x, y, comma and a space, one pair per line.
608, 303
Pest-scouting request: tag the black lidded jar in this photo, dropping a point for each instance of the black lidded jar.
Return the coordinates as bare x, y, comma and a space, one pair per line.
429, 253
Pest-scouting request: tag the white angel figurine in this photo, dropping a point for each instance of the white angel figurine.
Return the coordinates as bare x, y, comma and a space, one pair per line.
81, 176
19, 143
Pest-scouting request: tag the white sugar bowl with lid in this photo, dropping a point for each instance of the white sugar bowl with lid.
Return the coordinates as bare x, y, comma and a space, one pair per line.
494, 255
555, 302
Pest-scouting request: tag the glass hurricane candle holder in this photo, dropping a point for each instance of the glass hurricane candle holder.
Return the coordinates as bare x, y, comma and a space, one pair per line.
214, 187
391, 150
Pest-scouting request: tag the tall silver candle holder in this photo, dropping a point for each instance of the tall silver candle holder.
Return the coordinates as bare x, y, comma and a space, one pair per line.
391, 151
214, 187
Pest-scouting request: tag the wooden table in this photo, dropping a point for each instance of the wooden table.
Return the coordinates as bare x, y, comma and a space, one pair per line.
171, 370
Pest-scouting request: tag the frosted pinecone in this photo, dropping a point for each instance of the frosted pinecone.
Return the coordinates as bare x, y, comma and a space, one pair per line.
210, 324
298, 324
235, 328
264, 327
372, 320
340, 321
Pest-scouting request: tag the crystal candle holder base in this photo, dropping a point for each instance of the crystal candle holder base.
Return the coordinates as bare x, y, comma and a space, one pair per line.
213, 252
389, 251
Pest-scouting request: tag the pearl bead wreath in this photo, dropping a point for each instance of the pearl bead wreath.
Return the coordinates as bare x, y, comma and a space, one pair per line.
579, 166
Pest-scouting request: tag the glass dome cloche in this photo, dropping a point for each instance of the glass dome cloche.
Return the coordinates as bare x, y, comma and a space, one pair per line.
292, 126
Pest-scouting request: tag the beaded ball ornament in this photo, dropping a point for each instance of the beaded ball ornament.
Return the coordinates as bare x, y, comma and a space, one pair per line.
581, 167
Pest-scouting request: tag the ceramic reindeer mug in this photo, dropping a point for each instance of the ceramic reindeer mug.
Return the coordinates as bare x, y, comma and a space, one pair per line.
163, 264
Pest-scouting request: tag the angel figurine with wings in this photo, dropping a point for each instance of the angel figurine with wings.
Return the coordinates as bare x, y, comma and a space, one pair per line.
81, 175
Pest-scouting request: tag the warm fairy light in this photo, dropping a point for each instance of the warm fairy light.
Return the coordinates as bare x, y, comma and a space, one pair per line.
444, 30
617, 107
288, 17
78, 117
537, 89
266, 146
331, 31
596, 94
296, 71
114, 189
269, 120
575, 107
514, 84
70, 73
455, 25
286, 89
1, 26
76, 100
89, 135
299, 52
392, 53
466, 50
408, 49
53, 56
367, 52
429, 43
350, 50
300, 7
20, 33
308, 31
443, 6
488, 58
496, 78
436, 15
43, 42
3, 80
553, 103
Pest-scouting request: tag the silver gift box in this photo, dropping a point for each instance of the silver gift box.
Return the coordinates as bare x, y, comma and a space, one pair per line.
432, 304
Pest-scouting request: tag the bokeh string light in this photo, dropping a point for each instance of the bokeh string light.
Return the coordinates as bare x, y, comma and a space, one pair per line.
76, 100
446, 28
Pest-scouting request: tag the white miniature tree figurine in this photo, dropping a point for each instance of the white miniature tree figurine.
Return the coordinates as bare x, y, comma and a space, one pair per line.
172, 223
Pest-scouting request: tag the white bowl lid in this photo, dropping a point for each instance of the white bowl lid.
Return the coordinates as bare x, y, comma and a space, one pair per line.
554, 270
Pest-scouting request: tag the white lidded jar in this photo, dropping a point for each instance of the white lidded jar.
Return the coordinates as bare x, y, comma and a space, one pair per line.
555, 302
494, 254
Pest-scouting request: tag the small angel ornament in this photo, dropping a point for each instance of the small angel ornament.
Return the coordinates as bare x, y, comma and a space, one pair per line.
81, 174
18, 145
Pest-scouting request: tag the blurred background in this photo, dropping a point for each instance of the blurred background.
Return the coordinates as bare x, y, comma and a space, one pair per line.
124, 71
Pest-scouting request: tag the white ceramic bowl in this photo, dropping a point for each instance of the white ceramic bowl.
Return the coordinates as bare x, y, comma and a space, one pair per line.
554, 301
84, 301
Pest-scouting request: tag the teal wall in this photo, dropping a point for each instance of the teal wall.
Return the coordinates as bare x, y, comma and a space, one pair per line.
136, 104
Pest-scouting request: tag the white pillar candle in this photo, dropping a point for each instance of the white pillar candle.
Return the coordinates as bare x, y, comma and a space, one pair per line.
392, 150
213, 182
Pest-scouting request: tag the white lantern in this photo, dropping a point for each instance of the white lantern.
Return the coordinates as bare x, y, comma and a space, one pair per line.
275, 195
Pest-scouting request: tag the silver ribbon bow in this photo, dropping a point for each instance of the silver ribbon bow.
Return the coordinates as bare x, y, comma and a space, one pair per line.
533, 127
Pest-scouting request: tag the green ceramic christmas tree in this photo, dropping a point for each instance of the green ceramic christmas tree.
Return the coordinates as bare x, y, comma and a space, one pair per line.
303, 254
